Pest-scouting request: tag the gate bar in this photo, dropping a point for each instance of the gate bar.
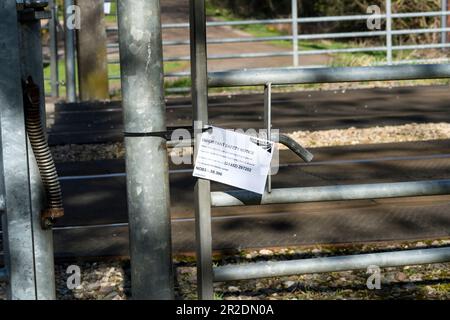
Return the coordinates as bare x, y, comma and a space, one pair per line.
146, 156
255, 77
54, 59
31, 65
332, 193
330, 264
199, 69
16, 220
69, 53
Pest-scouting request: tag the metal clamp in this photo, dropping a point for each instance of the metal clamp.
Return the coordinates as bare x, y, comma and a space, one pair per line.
167, 135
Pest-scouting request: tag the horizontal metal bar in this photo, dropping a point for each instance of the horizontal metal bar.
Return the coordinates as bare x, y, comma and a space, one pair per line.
422, 46
368, 33
308, 19
187, 73
331, 264
332, 193
306, 36
257, 77
305, 20
420, 14
416, 61
3, 274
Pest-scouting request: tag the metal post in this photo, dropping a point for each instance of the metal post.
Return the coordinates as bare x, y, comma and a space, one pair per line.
389, 32
332, 193
294, 8
17, 223
146, 157
31, 65
199, 69
69, 50
52, 25
268, 124
444, 22
331, 264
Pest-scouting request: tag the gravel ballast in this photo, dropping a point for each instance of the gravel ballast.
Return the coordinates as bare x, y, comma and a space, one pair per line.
323, 138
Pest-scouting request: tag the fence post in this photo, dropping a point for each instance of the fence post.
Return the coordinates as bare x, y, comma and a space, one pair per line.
142, 80
294, 7
69, 53
202, 190
443, 22
389, 32
28, 249
31, 65
54, 71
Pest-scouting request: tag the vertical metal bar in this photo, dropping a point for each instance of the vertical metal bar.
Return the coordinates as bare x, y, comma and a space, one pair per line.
389, 32
294, 8
199, 69
52, 25
31, 65
142, 79
69, 51
17, 224
443, 22
268, 124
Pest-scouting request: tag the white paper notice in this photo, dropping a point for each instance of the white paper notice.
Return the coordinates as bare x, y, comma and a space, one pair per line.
234, 158
107, 7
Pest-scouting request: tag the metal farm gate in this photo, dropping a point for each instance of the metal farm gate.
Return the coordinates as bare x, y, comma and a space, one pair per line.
29, 247
205, 199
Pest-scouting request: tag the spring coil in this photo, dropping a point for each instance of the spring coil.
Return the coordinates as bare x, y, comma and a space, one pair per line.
43, 156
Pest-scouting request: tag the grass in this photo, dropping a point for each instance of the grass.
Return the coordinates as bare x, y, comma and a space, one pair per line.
114, 70
338, 60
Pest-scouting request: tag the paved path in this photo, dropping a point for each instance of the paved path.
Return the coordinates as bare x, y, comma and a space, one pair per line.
309, 110
96, 214
177, 11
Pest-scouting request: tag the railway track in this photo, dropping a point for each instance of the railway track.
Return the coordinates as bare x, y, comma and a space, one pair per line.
95, 223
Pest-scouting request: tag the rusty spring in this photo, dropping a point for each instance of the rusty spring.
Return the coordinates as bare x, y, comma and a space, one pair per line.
42, 153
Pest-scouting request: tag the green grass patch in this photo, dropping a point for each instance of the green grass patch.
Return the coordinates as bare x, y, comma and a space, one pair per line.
114, 71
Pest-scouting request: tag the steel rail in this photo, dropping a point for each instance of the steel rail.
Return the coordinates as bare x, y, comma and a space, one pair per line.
330, 264
332, 193
256, 77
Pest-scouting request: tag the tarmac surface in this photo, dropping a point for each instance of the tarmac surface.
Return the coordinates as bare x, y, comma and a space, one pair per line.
95, 224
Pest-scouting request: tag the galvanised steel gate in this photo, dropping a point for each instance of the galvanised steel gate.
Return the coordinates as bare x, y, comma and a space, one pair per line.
28, 248
205, 199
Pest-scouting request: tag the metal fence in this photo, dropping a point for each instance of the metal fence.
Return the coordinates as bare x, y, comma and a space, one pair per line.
205, 199
389, 48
